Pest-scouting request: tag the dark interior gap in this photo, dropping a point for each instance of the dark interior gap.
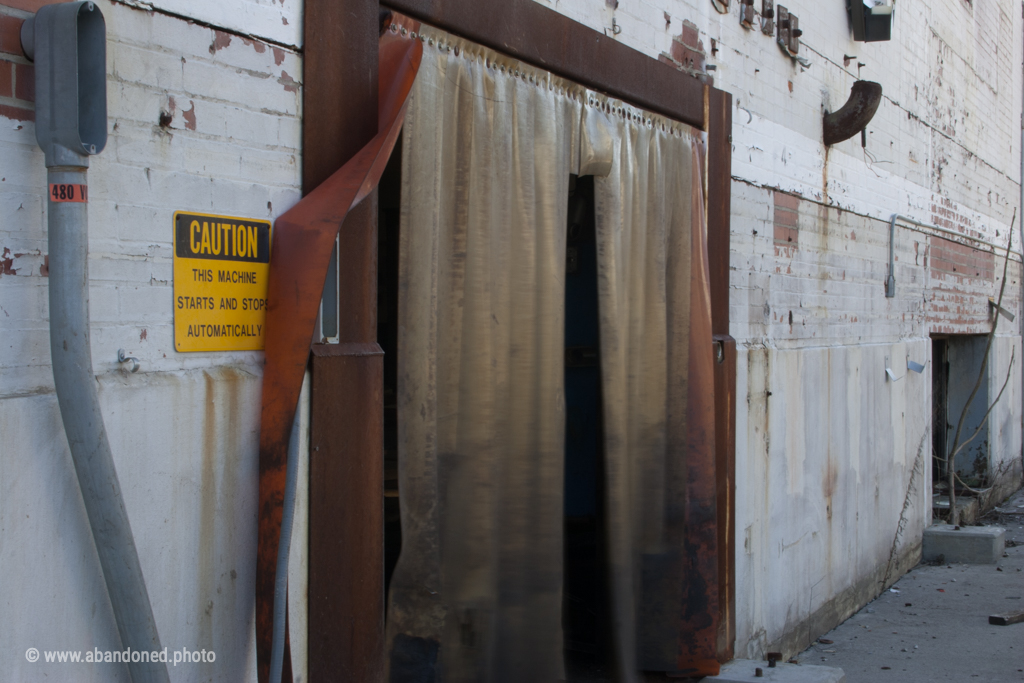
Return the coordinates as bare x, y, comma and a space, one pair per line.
956, 369
389, 205
940, 383
586, 619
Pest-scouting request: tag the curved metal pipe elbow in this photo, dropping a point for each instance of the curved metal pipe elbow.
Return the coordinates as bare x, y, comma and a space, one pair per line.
855, 115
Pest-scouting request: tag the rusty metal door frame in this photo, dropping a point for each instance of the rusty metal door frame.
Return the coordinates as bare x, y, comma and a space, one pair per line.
346, 601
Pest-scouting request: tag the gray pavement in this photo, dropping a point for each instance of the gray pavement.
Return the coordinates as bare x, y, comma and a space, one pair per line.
933, 626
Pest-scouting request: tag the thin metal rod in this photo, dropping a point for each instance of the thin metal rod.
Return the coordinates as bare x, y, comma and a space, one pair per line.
890, 282
79, 403
284, 547
1021, 213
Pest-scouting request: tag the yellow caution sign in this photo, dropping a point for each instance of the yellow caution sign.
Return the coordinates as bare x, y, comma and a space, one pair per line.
221, 264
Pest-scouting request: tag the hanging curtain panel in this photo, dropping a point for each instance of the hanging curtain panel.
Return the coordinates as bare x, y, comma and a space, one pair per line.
657, 378
489, 145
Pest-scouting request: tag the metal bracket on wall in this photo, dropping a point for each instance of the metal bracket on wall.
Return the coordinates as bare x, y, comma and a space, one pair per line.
747, 13
789, 31
768, 17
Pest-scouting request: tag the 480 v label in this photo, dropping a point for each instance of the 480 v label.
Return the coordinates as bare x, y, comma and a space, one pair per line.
66, 192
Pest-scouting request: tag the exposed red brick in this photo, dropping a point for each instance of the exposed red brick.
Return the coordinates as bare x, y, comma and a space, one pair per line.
29, 5
190, 116
257, 45
786, 236
961, 260
6, 79
25, 82
17, 113
10, 34
786, 217
687, 49
220, 41
289, 83
690, 36
786, 224
787, 201
6, 263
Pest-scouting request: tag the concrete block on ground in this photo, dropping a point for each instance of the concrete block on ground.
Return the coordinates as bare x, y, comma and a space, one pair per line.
745, 671
966, 545
967, 506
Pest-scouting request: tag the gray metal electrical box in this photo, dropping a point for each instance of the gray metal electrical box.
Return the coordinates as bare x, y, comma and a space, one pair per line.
68, 43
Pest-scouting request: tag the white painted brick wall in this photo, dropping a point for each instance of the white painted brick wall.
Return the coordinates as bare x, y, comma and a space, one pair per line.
279, 21
184, 430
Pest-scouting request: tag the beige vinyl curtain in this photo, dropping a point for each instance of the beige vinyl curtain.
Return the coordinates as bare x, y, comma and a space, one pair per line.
488, 148
657, 378
489, 145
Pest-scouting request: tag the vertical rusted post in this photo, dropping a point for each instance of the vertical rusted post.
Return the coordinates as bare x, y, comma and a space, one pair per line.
346, 555
719, 227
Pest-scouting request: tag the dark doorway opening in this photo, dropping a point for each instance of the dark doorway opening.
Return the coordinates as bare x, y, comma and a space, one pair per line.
389, 205
956, 373
586, 619
940, 384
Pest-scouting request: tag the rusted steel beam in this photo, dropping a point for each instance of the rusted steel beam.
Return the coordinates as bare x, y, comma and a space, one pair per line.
719, 255
339, 85
719, 205
346, 533
527, 30
725, 486
302, 244
855, 115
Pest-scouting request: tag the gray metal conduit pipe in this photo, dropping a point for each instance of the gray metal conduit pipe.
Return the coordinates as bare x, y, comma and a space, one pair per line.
68, 44
79, 402
890, 281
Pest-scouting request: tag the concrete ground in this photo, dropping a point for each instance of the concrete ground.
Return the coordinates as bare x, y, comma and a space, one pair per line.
933, 626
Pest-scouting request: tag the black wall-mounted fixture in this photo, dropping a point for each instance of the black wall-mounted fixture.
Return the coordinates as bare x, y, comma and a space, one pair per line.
855, 115
872, 19
768, 17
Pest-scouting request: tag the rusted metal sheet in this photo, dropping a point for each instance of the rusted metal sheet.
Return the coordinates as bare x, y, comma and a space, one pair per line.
855, 115
540, 36
303, 240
